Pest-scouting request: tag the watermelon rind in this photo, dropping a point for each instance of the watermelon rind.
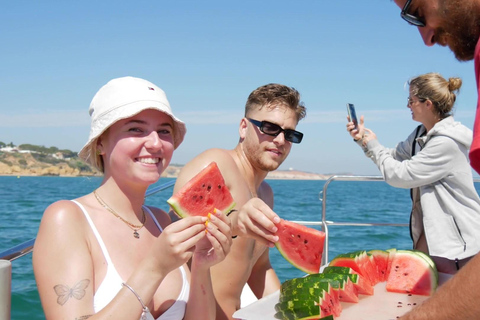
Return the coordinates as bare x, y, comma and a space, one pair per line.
202, 194
362, 285
300, 315
300, 245
322, 292
341, 283
360, 262
313, 290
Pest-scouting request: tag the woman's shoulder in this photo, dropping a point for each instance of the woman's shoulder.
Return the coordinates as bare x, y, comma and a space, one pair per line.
63, 224
62, 212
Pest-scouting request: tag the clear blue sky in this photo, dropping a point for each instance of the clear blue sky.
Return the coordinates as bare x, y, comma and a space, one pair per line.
208, 56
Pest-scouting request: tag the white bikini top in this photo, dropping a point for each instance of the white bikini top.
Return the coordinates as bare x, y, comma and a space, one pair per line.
112, 283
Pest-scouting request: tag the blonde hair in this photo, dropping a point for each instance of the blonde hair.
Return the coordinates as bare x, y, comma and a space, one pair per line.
441, 92
93, 157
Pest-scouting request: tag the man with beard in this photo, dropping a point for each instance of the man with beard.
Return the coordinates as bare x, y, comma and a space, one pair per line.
456, 24
266, 132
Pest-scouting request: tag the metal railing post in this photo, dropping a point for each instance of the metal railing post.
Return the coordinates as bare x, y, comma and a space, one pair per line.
5, 289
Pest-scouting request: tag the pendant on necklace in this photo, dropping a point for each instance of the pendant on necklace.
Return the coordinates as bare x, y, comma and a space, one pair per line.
136, 235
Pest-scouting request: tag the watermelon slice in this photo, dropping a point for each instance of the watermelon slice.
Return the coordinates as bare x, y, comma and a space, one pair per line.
300, 245
340, 282
380, 260
359, 282
412, 273
317, 299
360, 262
202, 194
391, 255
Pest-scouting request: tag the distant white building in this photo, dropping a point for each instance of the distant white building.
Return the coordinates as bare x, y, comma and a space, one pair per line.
9, 149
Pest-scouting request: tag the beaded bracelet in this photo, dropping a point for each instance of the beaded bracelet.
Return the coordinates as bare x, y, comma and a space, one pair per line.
144, 307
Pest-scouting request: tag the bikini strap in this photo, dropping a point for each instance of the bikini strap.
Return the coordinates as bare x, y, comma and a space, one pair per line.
153, 217
95, 232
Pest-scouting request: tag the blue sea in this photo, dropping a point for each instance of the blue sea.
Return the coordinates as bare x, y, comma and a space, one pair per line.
23, 200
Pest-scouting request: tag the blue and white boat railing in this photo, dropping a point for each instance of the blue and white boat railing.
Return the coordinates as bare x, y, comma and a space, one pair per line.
27, 247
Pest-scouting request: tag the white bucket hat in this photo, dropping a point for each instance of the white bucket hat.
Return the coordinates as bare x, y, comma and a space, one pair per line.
123, 98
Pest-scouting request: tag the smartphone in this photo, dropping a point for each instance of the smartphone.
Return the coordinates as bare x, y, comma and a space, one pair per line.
352, 115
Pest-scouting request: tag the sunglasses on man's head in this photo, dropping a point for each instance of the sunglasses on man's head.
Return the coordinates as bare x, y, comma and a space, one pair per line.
410, 18
274, 130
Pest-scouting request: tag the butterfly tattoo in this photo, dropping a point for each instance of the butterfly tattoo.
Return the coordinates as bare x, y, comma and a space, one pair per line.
64, 292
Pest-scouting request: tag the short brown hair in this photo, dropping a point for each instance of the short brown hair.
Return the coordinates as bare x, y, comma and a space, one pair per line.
274, 93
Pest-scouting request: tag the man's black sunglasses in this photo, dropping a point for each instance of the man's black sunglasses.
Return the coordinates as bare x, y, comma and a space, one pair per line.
410, 18
274, 130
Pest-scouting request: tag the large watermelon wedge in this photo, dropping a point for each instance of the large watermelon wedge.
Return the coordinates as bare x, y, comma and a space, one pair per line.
412, 273
300, 245
202, 194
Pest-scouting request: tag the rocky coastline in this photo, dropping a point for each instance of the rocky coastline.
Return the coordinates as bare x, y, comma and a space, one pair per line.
25, 164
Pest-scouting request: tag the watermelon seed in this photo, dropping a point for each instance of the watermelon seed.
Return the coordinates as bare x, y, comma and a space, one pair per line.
405, 274
209, 188
203, 185
219, 186
305, 241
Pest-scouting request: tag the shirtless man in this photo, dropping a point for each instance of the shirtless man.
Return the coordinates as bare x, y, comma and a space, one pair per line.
267, 132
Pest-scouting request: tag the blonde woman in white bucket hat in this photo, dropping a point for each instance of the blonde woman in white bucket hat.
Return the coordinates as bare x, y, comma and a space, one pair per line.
106, 254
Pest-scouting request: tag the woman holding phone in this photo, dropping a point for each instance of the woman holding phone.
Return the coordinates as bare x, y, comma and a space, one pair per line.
433, 163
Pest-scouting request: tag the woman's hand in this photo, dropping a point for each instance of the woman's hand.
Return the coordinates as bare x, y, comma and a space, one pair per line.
255, 219
176, 244
369, 135
358, 133
217, 240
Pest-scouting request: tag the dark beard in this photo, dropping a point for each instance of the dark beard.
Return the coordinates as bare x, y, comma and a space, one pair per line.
460, 28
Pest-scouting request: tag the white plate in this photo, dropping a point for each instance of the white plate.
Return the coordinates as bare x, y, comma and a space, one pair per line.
382, 305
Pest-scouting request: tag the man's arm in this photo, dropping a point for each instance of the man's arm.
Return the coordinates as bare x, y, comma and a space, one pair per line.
263, 280
458, 298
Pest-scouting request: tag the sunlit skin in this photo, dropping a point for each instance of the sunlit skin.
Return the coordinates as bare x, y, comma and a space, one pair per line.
244, 169
141, 146
266, 151
426, 9
452, 23
422, 112
135, 152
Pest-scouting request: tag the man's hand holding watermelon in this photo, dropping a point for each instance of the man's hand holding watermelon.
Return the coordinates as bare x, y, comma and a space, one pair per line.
255, 219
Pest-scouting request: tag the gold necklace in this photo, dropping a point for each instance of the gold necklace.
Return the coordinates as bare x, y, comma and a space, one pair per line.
252, 194
132, 226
